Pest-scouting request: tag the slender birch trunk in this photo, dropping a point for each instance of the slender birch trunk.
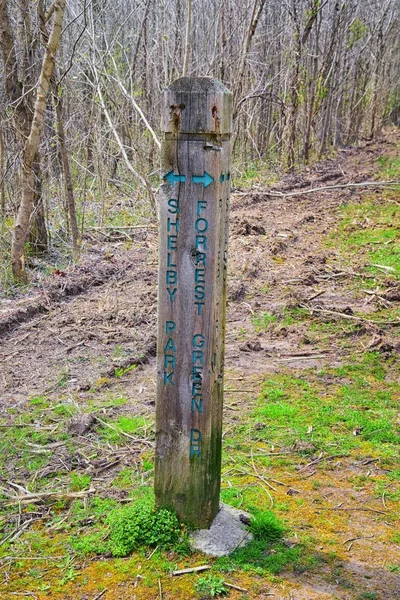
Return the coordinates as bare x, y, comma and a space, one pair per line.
24, 215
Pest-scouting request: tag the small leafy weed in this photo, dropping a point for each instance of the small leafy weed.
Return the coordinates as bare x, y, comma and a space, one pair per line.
211, 586
140, 525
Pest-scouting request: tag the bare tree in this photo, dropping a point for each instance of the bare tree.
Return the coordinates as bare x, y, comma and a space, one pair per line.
307, 76
29, 153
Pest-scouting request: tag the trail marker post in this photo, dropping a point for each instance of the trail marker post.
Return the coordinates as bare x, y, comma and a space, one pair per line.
194, 210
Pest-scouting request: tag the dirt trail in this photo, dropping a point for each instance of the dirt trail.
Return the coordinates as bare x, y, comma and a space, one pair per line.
80, 326
89, 335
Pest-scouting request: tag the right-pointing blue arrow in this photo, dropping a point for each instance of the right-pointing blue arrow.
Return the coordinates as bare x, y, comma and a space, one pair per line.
205, 179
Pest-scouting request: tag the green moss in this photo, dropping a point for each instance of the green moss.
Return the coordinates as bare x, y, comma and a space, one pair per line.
358, 402
90, 544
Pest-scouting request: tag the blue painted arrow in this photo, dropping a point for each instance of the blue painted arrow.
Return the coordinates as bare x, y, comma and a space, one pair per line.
205, 179
172, 178
223, 177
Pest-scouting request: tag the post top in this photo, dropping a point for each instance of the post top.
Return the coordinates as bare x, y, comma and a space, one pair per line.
198, 84
197, 105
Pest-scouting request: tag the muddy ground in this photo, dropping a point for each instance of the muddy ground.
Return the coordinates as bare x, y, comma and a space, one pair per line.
73, 334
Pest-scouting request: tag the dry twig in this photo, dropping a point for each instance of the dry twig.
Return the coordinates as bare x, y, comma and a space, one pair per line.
191, 570
100, 595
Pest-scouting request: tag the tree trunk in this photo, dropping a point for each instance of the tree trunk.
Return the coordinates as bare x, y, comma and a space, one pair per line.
295, 81
187, 39
24, 214
38, 239
2, 175
254, 19
66, 171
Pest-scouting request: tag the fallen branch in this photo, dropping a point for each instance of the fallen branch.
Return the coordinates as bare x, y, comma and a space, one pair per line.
30, 498
383, 267
235, 587
16, 533
304, 357
121, 227
226, 391
316, 295
191, 570
246, 535
101, 594
361, 537
160, 589
325, 311
377, 184
358, 508
11, 558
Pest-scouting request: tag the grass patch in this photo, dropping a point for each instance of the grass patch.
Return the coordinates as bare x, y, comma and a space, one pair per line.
125, 424
370, 233
266, 527
80, 482
263, 320
389, 167
257, 558
356, 410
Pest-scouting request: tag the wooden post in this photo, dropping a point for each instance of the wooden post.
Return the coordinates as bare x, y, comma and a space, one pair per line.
194, 211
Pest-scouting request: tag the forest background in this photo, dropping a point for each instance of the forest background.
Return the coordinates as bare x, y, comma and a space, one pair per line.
79, 135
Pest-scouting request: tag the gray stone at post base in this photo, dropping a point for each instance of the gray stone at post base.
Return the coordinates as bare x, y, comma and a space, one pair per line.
226, 533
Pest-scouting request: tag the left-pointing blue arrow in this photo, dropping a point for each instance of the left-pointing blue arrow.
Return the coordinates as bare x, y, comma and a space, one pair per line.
171, 177
205, 179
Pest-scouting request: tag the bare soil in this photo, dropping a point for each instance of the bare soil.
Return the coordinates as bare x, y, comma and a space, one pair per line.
71, 337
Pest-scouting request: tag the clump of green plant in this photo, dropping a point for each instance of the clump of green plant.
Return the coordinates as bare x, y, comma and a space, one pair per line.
368, 596
79, 482
139, 524
265, 526
393, 568
211, 586
121, 371
262, 320
93, 543
267, 552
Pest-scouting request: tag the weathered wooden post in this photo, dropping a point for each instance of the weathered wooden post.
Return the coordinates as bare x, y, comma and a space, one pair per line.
194, 209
